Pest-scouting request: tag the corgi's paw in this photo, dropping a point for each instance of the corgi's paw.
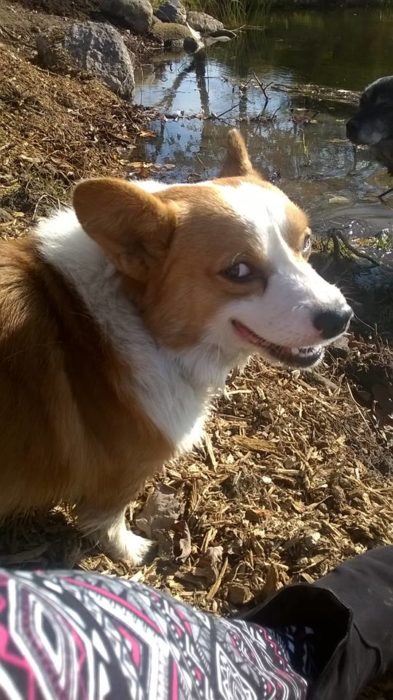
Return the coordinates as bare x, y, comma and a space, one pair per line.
124, 544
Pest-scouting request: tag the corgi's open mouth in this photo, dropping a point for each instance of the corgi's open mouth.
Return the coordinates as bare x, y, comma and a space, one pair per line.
292, 357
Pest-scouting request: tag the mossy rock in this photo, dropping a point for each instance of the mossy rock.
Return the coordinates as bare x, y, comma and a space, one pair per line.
168, 31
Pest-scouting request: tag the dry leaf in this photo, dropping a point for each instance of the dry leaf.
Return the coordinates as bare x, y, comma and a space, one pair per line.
238, 594
208, 566
214, 556
271, 582
160, 512
182, 541
255, 515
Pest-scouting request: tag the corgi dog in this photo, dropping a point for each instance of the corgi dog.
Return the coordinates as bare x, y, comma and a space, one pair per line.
121, 317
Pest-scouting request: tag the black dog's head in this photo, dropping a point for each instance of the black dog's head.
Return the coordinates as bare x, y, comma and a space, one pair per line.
372, 124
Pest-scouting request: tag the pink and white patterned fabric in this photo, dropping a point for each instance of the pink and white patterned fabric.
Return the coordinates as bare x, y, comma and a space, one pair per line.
78, 636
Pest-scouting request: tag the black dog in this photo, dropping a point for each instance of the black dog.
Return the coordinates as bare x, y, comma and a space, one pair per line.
372, 124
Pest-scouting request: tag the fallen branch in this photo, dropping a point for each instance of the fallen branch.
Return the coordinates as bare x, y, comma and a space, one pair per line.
218, 116
263, 88
339, 236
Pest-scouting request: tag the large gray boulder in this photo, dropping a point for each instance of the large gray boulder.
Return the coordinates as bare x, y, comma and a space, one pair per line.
203, 23
172, 11
100, 49
95, 48
136, 14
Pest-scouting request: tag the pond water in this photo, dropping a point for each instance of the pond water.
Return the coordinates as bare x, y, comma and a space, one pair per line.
299, 142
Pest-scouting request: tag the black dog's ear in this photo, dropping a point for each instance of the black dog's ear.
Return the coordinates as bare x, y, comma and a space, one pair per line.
237, 161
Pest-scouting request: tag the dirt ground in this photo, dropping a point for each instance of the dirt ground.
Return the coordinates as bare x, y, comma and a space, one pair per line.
296, 471
54, 128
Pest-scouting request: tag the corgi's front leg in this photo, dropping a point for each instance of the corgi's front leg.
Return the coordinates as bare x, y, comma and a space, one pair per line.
110, 532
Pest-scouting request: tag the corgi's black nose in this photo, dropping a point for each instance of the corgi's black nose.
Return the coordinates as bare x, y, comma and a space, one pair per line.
332, 323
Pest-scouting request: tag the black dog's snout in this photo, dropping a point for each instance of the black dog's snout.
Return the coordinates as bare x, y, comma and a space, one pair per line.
352, 129
332, 323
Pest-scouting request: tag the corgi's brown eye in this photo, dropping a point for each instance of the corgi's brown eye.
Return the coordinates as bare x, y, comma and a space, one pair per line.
239, 272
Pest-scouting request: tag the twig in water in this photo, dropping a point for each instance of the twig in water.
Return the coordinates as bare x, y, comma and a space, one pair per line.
263, 88
239, 29
257, 27
218, 116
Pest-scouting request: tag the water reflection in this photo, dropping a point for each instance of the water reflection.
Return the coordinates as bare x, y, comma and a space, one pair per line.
312, 161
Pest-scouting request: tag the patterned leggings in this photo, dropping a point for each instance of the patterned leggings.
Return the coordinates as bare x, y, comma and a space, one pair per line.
68, 635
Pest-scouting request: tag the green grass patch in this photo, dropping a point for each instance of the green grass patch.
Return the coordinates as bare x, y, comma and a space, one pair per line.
234, 13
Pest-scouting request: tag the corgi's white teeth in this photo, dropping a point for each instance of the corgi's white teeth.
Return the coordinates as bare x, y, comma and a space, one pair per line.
291, 357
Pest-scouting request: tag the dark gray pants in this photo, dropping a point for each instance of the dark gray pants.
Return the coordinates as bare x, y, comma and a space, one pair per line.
351, 612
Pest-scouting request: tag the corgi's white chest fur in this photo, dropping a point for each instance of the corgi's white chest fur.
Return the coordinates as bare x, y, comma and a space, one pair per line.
173, 388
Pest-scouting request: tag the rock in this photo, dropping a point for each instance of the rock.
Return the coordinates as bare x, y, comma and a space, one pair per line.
203, 23
172, 35
96, 48
100, 50
168, 31
136, 14
196, 44
191, 45
172, 11
339, 200
175, 45
51, 53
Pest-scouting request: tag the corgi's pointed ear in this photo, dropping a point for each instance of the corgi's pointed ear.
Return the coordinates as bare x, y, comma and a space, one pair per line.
133, 227
237, 161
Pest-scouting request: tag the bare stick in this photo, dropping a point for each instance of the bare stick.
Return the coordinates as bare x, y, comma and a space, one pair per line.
359, 254
218, 116
263, 88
